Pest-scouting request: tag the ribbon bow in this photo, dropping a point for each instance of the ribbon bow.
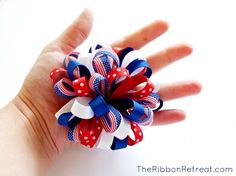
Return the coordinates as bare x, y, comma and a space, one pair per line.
110, 96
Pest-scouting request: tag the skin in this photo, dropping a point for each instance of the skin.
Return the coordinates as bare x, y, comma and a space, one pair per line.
30, 137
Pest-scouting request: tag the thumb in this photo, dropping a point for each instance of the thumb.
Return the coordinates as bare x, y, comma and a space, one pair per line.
75, 34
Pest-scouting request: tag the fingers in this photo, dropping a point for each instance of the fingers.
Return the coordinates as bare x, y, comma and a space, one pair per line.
179, 89
75, 34
165, 57
165, 117
143, 36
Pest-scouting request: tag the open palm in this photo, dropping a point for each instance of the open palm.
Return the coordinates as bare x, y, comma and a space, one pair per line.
41, 103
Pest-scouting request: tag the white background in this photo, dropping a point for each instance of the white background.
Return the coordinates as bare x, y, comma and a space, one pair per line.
206, 137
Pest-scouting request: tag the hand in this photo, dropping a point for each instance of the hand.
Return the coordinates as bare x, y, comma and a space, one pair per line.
37, 93
37, 102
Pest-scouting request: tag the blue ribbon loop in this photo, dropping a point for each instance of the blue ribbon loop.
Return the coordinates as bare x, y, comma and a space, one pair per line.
66, 121
124, 52
119, 144
99, 106
99, 82
64, 118
160, 106
108, 54
84, 71
61, 93
137, 109
137, 63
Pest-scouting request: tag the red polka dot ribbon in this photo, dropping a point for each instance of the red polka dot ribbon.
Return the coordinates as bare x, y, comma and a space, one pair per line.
110, 96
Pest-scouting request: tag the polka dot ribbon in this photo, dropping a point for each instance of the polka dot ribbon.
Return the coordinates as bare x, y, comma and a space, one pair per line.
110, 96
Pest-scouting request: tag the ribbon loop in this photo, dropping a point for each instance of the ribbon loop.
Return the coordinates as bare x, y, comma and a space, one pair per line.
119, 143
76, 70
153, 101
130, 108
64, 88
81, 87
141, 87
138, 134
137, 66
99, 106
112, 120
120, 82
57, 74
104, 60
98, 84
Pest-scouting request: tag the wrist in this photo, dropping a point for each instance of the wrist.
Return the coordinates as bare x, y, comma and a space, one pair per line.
36, 124
25, 139
21, 149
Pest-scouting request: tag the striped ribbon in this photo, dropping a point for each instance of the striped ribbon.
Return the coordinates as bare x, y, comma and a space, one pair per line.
110, 96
